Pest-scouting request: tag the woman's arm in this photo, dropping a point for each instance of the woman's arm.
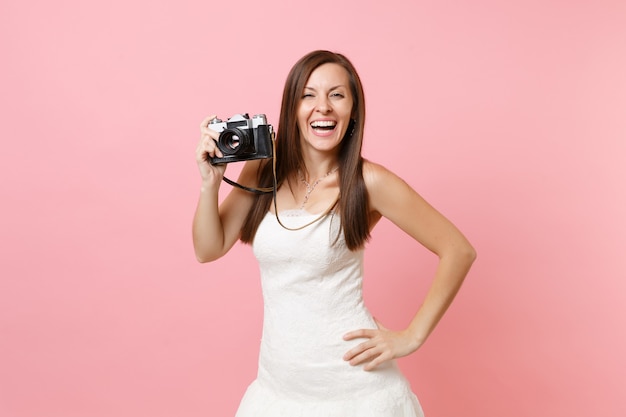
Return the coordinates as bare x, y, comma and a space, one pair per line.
216, 227
391, 197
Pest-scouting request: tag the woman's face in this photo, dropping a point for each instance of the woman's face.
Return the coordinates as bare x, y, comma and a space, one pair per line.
325, 108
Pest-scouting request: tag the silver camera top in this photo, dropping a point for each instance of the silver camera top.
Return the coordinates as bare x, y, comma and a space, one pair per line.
256, 121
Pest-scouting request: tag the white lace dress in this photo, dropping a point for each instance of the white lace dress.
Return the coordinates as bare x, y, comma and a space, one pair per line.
312, 295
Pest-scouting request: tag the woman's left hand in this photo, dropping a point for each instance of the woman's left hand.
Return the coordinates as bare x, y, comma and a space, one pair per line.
382, 345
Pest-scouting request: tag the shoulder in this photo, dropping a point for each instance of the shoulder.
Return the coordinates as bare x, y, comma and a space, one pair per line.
386, 191
373, 172
378, 179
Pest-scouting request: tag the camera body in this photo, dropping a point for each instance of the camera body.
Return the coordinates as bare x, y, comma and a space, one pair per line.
242, 138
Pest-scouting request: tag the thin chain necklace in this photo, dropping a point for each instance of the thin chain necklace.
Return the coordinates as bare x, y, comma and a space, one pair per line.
311, 187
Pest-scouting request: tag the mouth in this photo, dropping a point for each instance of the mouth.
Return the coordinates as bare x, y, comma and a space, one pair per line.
323, 125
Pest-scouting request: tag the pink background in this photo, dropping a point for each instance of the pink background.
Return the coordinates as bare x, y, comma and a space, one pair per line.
510, 117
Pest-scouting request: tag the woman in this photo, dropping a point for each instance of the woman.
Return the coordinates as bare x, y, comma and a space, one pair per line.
322, 353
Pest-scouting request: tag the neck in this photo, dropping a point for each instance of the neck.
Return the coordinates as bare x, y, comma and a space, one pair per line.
315, 168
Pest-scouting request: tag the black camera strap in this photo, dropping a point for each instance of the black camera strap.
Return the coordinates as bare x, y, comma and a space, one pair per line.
274, 189
248, 189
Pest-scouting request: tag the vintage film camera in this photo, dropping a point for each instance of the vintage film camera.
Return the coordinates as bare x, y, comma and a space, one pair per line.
242, 138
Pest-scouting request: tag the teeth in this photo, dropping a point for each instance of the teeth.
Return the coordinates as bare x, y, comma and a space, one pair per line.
323, 123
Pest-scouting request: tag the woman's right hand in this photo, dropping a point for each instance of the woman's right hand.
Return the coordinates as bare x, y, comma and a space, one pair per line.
207, 148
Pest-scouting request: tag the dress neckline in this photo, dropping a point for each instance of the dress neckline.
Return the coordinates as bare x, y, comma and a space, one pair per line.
297, 212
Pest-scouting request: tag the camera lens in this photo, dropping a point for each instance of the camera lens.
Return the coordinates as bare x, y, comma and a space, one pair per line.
233, 141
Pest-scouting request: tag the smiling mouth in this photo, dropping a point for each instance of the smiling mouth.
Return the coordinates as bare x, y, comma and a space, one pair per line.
325, 125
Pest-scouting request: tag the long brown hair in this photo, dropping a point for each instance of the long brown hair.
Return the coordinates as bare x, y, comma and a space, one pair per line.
353, 203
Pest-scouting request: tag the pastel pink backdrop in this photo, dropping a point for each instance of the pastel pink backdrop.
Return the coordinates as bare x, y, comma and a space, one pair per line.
508, 116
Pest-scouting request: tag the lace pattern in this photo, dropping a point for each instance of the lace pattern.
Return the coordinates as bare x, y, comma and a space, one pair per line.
312, 290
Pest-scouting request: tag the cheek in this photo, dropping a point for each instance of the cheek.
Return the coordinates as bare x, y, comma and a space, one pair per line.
301, 115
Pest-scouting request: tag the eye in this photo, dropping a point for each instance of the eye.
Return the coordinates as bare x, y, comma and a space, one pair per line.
337, 95
307, 95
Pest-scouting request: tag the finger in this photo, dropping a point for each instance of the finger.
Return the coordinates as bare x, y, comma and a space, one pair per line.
383, 357
207, 132
216, 151
205, 146
365, 356
358, 350
368, 333
206, 120
203, 155
208, 145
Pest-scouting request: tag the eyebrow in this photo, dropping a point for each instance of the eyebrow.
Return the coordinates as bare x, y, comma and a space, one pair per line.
331, 89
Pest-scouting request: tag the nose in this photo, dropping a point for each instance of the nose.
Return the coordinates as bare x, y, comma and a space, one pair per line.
323, 105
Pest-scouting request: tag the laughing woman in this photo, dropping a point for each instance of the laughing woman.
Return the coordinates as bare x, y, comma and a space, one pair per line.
322, 354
